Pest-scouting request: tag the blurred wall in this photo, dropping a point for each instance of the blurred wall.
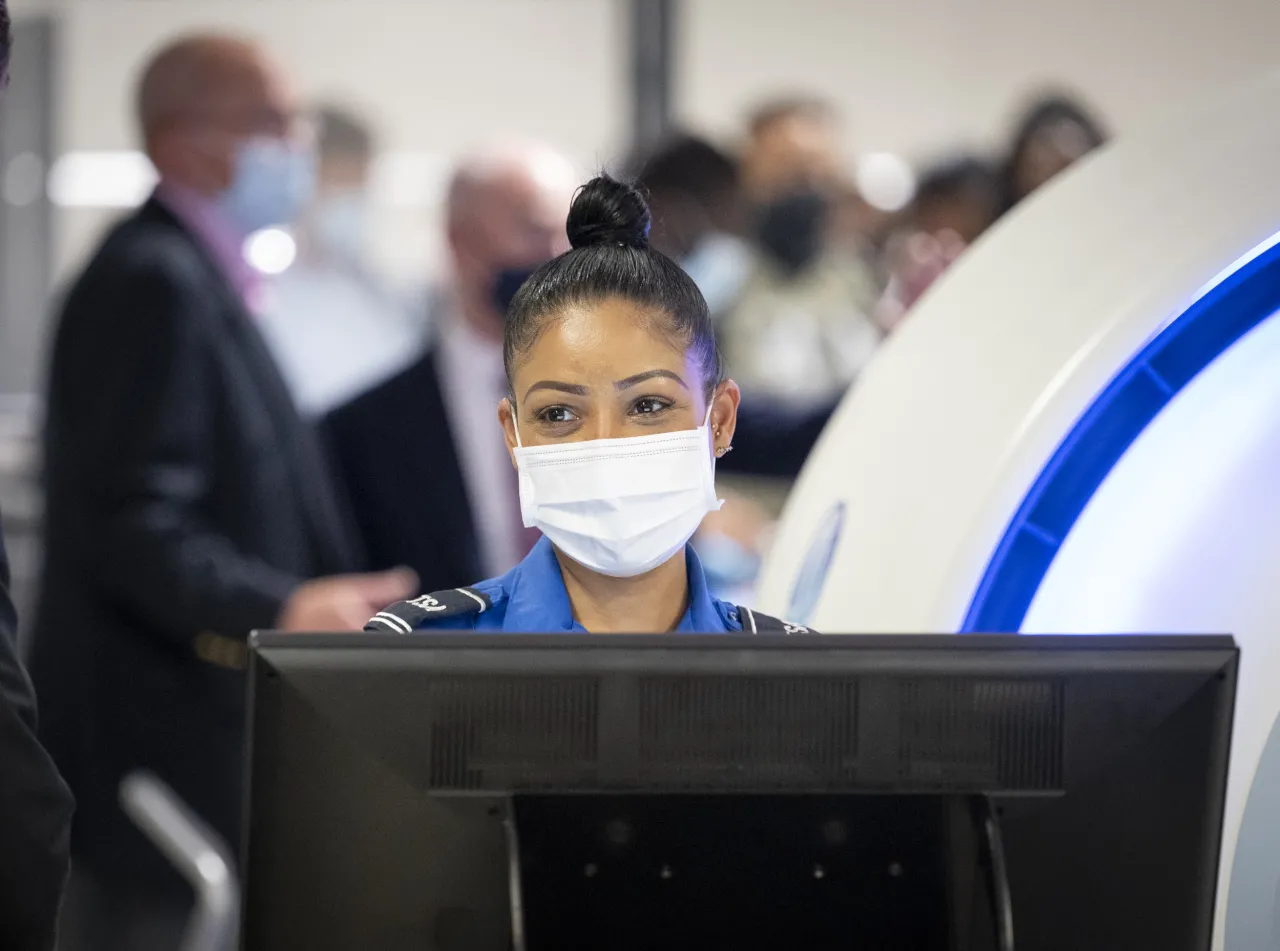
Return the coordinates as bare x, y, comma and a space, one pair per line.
916, 77
436, 76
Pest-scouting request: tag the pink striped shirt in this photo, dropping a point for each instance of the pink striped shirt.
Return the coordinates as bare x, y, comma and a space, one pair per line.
200, 215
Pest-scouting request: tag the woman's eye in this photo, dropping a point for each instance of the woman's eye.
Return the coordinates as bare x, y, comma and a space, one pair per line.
649, 405
556, 414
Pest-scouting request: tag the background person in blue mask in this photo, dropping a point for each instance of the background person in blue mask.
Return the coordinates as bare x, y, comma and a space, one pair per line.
617, 408
186, 501
698, 214
334, 326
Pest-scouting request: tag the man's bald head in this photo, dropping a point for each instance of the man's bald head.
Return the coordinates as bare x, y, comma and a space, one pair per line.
209, 86
506, 209
515, 173
193, 76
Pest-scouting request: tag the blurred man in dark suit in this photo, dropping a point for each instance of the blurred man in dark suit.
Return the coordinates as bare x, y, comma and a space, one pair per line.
35, 804
187, 503
422, 455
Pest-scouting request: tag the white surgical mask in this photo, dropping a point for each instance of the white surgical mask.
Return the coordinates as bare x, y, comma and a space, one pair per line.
619, 506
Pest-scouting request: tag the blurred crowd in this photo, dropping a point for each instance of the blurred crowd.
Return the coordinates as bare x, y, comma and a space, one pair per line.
296, 451
804, 277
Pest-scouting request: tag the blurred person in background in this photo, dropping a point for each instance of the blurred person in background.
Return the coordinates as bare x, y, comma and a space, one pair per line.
425, 468
959, 196
186, 501
334, 328
802, 329
1054, 133
696, 201
955, 202
35, 804
698, 216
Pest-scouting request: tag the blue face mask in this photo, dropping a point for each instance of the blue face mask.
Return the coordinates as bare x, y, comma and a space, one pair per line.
342, 225
719, 264
271, 182
508, 281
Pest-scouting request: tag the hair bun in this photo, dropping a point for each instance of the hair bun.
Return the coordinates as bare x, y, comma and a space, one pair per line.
607, 211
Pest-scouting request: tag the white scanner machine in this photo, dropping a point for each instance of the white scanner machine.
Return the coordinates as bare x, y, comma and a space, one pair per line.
1078, 431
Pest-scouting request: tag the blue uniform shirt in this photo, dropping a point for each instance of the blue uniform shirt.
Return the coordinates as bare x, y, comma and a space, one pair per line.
531, 598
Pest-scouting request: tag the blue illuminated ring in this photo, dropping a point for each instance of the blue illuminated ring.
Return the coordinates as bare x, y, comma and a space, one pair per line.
1221, 316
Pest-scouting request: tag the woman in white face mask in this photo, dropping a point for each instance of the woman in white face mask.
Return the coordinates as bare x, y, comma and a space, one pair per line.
616, 414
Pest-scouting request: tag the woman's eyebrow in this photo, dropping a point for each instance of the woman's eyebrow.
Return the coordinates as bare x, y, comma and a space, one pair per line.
574, 388
648, 375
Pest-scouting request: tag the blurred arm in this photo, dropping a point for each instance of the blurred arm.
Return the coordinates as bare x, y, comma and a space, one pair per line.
35, 805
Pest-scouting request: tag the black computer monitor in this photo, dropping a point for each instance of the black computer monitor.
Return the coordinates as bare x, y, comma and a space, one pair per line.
570, 792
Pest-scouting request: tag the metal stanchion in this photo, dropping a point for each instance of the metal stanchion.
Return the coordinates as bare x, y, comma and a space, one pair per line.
196, 852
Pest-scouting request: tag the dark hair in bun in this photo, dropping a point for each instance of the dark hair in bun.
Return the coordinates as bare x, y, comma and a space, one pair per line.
608, 212
608, 229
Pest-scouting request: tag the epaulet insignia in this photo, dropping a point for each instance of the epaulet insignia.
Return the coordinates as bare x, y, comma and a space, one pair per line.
404, 617
753, 622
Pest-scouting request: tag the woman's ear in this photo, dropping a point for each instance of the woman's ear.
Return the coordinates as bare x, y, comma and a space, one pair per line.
507, 417
724, 416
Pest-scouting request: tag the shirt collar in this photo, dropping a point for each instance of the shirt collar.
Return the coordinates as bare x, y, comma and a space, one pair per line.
702, 617
199, 214
538, 601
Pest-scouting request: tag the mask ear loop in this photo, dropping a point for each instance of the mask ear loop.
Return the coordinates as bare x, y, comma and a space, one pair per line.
515, 423
711, 404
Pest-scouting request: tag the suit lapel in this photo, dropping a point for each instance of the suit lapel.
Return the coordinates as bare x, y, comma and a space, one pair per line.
330, 532
452, 510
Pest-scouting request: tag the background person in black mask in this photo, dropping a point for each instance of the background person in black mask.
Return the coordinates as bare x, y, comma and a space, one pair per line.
425, 469
802, 330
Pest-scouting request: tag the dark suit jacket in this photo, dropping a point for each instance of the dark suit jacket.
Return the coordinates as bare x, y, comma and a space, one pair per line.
395, 456
35, 804
185, 499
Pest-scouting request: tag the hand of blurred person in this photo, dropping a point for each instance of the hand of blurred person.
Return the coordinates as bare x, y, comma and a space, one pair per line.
344, 602
731, 544
915, 262
741, 519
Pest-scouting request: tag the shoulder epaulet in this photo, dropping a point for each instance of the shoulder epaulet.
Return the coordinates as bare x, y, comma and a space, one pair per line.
404, 617
753, 622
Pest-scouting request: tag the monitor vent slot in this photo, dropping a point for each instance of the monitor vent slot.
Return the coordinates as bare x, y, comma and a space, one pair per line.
999, 735
752, 732
757, 733
513, 732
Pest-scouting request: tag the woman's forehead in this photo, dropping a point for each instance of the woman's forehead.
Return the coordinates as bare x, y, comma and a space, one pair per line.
604, 337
